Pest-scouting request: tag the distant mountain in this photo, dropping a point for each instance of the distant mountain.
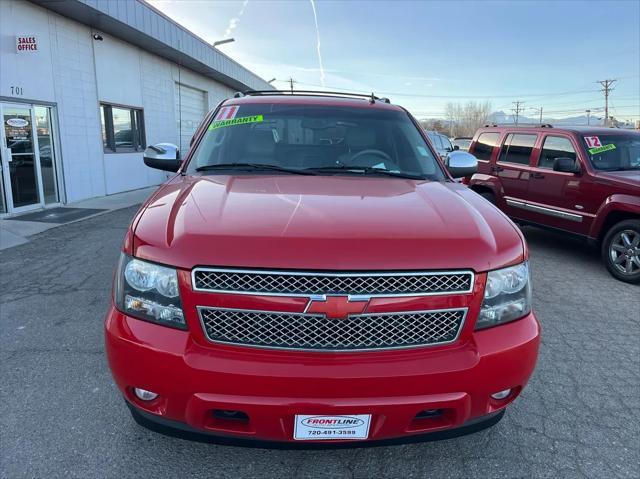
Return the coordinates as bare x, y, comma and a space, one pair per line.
501, 117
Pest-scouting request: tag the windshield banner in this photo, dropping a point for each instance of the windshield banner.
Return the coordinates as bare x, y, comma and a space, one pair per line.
236, 121
600, 149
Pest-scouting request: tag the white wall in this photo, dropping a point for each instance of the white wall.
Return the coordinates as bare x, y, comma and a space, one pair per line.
78, 113
127, 75
30, 71
76, 73
60, 72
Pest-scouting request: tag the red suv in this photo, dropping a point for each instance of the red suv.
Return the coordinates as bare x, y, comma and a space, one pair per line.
312, 273
584, 181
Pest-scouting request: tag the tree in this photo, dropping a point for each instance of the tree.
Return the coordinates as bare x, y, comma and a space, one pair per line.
465, 119
434, 125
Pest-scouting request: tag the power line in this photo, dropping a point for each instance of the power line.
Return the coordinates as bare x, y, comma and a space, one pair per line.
606, 89
539, 110
581, 102
516, 110
291, 82
419, 95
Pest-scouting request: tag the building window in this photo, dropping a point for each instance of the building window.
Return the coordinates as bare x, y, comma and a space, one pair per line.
122, 129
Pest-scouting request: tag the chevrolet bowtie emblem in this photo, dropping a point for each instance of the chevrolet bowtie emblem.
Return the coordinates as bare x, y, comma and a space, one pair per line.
337, 307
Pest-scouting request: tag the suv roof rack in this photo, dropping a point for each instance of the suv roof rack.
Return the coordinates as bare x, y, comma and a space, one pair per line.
371, 97
490, 125
546, 125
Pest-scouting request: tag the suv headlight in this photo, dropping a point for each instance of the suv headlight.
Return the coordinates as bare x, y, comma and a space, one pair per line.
148, 291
507, 296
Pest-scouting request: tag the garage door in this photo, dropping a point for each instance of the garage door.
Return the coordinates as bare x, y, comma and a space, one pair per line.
191, 106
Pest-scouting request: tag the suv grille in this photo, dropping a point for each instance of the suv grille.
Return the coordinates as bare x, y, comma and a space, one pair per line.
307, 284
316, 332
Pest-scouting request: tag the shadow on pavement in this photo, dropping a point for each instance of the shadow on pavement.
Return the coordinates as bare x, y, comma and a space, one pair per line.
558, 243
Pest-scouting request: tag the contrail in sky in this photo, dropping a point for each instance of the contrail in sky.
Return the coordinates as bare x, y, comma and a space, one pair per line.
233, 23
315, 17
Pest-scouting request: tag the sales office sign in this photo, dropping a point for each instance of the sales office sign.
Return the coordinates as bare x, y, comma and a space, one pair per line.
26, 44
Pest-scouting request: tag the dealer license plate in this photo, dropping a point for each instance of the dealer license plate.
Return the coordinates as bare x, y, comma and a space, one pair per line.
317, 428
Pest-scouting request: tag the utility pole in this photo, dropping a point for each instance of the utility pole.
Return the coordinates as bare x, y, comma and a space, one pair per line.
606, 89
291, 82
516, 110
588, 117
539, 110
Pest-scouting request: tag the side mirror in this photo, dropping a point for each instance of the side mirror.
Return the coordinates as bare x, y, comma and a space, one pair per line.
462, 164
163, 156
566, 165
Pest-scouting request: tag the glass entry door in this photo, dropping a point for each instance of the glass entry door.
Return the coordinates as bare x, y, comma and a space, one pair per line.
21, 167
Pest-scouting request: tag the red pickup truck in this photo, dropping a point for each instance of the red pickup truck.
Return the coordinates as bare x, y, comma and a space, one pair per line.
585, 181
313, 274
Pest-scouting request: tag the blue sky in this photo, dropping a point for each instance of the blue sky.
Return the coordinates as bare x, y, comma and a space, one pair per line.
423, 54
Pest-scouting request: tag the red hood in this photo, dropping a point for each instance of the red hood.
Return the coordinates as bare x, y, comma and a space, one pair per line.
628, 178
324, 223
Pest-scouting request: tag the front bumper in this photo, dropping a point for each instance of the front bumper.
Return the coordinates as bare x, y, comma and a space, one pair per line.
184, 431
271, 387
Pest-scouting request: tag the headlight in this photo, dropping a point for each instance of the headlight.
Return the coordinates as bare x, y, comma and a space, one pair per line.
507, 296
148, 291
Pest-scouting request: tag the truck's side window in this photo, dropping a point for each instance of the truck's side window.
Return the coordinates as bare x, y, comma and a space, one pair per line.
517, 148
446, 144
484, 146
435, 139
555, 147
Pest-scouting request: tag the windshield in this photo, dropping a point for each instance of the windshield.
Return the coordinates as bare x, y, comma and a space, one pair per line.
616, 152
325, 140
462, 143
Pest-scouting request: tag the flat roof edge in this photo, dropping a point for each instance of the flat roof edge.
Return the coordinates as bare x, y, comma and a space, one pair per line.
140, 24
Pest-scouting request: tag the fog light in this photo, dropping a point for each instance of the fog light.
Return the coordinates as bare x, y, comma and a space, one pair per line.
144, 395
501, 394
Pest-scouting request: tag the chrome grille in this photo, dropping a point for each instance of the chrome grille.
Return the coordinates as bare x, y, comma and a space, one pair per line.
307, 284
316, 332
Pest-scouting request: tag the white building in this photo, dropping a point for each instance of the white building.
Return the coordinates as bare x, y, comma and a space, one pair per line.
86, 84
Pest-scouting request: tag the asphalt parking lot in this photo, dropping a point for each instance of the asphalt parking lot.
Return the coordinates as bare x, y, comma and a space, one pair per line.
62, 416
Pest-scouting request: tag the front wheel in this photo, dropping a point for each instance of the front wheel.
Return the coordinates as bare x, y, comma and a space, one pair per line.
621, 251
490, 197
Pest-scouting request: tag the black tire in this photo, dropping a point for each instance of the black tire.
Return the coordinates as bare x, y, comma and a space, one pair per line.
490, 197
616, 258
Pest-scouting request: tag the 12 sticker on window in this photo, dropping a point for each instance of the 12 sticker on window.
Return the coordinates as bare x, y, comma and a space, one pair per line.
595, 146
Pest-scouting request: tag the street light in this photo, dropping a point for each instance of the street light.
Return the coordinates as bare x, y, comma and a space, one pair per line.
222, 42
272, 80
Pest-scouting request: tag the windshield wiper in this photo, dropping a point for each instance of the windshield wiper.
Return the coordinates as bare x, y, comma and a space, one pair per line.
253, 166
365, 170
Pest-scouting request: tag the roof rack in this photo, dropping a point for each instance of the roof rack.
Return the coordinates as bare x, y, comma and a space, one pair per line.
490, 125
371, 97
546, 125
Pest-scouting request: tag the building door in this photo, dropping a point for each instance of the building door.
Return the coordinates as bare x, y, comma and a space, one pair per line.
26, 147
191, 107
